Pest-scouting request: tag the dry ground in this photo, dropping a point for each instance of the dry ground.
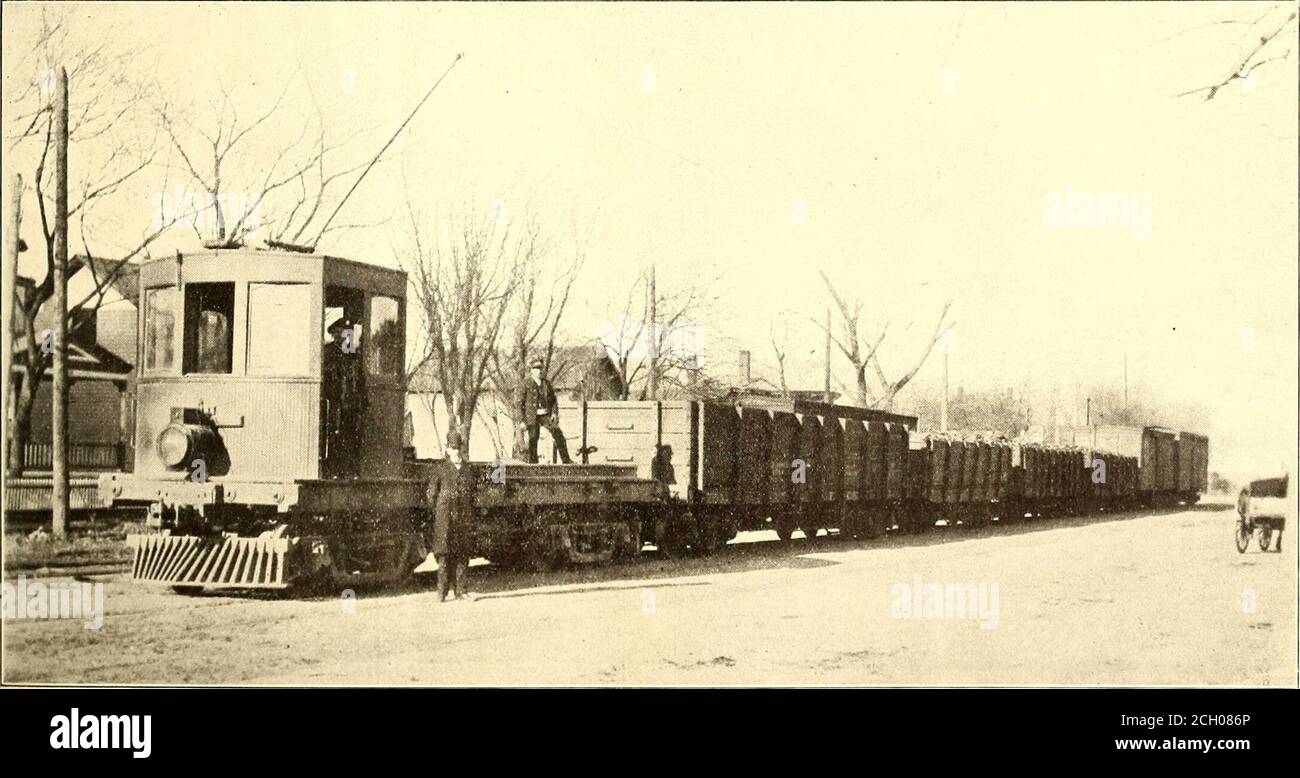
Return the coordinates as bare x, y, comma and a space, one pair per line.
1162, 598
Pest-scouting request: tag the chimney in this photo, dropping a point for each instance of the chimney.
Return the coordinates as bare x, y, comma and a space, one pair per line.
744, 368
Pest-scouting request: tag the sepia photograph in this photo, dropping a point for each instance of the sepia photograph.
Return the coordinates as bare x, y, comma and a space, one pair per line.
923, 345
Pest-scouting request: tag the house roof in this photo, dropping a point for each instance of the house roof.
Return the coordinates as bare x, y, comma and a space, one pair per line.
126, 282
86, 361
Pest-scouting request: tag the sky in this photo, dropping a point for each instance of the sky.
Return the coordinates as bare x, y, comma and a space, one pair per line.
914, 153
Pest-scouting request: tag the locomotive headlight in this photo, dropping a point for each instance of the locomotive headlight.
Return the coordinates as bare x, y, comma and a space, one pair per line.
173, 445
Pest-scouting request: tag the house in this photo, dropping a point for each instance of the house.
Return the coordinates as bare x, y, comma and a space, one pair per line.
101, 358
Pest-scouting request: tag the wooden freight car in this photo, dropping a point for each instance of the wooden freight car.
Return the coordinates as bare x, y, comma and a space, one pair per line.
1171, 466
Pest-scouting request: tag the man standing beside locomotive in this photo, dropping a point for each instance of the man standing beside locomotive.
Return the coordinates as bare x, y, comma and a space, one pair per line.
538, 408
451, 495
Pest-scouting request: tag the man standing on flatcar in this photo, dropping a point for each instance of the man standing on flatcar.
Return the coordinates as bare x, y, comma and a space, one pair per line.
450, 496
538, 408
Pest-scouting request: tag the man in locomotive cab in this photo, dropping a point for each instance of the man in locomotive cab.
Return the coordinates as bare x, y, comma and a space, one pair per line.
539, 408
450, 495
343, 391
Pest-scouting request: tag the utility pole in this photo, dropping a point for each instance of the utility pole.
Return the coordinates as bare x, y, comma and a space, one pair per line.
1126, 386
9, 283
943, 406
827, 388
60, 438
653, 329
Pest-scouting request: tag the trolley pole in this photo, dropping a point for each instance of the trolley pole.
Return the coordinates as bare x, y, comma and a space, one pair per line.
59, 498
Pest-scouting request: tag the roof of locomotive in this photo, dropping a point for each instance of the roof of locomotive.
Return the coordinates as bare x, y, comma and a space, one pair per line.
392, 280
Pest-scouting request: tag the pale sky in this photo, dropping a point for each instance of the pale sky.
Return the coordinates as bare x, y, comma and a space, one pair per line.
911, 151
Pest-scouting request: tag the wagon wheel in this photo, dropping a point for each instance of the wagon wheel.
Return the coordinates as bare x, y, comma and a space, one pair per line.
1243, 536
1243, 521
1265, 538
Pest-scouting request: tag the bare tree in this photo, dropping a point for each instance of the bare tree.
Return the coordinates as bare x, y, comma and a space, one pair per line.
250, 181
863, 352
675, 338
779, 350
112, 144
465, 273
1264, 31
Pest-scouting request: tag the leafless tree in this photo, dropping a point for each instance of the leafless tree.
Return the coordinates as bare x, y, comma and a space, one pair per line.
111, 142
779, 350
252, 179
1263, 30
863, 352
465, 272
629, 341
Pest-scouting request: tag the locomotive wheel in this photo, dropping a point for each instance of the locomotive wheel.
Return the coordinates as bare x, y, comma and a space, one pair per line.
540, 560
711, 537
784, 528
670, 538
852, 527
1243, 536
1265, 538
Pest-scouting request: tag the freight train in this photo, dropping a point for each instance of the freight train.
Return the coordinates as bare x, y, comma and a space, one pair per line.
268, 449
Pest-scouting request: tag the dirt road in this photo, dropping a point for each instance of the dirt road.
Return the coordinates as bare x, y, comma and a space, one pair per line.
1162, 598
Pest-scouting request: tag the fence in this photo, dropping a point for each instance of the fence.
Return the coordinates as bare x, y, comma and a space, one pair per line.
81, 456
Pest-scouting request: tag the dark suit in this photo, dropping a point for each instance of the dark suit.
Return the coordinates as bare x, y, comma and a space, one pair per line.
535, 398
450, 495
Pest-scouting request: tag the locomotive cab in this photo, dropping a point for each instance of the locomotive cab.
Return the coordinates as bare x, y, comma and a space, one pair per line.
259, 370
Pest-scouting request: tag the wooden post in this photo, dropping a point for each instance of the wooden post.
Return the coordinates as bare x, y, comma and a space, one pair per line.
826, 391
9, 283
59, 497
653, 329
943, 405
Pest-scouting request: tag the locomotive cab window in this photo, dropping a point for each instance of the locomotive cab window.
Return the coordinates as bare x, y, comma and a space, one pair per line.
161, 307
384, 357
209, 327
